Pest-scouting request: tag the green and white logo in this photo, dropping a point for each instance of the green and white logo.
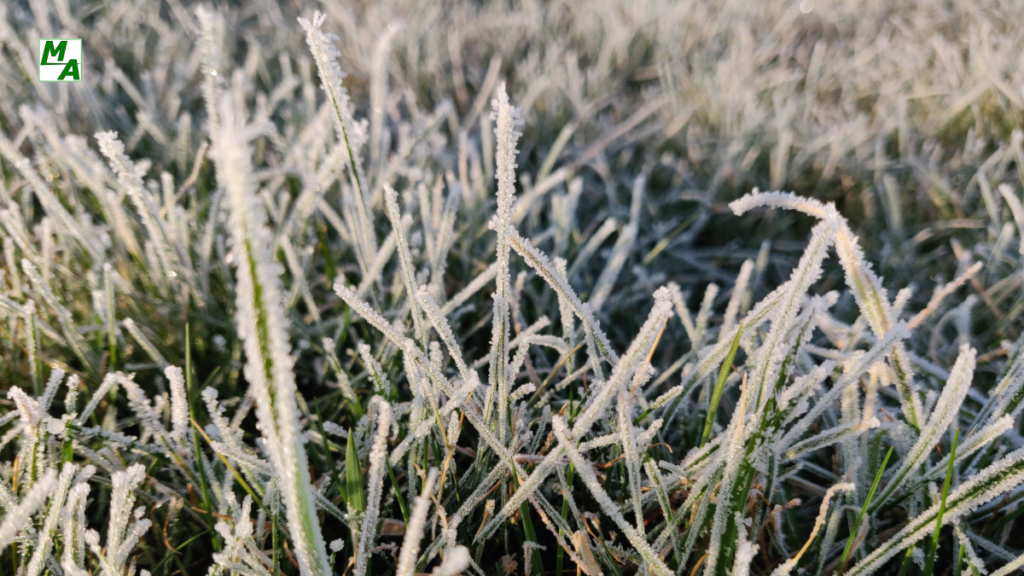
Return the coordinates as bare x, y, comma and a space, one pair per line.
60, 59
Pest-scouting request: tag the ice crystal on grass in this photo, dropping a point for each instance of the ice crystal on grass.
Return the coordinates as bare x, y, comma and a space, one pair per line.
260, 321
278, 312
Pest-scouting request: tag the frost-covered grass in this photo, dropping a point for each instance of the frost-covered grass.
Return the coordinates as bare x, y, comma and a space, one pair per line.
507, 298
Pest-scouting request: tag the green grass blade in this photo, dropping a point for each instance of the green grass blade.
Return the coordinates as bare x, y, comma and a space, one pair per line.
929, 566
863, 510
531, 534
398, 492
189, 391
717, 395
354, 476
327, 450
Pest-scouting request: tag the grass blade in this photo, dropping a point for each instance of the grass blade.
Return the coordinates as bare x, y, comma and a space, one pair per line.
723, 374
863, 510
929, 566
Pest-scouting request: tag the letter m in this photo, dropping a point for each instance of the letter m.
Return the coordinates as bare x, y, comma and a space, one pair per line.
57, 52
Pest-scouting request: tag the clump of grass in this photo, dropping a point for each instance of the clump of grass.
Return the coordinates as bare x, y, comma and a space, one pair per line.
267, 317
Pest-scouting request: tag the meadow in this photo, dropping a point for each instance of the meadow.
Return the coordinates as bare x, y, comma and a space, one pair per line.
609, 287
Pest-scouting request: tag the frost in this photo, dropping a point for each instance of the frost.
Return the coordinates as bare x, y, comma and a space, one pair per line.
278, 311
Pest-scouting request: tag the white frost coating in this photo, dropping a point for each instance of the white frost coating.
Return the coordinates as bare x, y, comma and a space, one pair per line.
375, 484
377, 266
863, 282
758, 199
712, 356
50, 391
1003, 475
379, 87
433, 158
339, 371
523, 390
148, 346
601, 348
414, 531
974, 442
149, 413
684, 314
526, 488
28, 409
739, 288
851, 375
731, 454
260, 321
944, 413
472, 288
332, 428
744, 556
630, 450
941, 294
507, 118
350, 133
630, 361
16, 518
382, 386
787, 567
129, 178
122, 499
972, 556
772, 351
67, 323
179, 404
73, 527
655, 563
369, 314
422, 428
212, 31
454, 562
49, 528
399, 224
440, 323
101, 393
704, 313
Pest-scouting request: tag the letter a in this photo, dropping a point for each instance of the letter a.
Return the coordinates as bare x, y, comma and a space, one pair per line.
70, 70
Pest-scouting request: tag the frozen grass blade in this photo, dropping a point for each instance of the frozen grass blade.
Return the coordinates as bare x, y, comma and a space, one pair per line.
943, 415
378, 457
408, 273
414, 531
1003, 475
16, 518
507, 119
351, 136
609, 507
261, 322
787, 567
